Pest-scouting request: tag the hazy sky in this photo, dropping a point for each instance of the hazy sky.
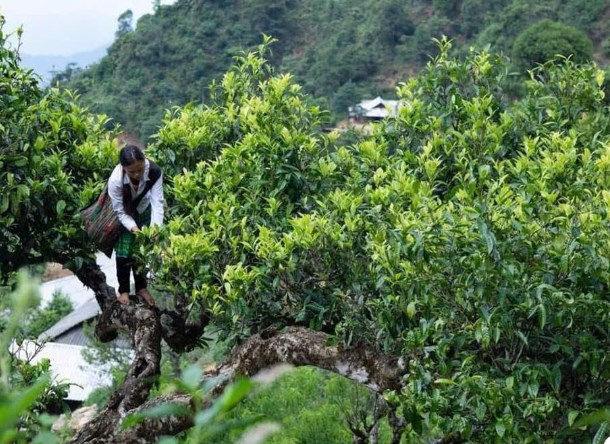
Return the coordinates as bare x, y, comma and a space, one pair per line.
65, 27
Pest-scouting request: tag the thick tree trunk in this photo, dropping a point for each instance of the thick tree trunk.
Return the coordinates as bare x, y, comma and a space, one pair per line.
294, 345
106, 428
93, 277
142, 324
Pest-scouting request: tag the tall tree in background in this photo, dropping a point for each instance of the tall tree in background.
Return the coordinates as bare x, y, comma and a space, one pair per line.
125, 21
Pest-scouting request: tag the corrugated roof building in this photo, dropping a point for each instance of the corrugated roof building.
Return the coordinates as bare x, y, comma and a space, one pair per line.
374, 109
63, 345
69, 330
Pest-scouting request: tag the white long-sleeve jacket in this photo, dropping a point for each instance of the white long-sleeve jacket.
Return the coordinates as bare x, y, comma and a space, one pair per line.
154, 197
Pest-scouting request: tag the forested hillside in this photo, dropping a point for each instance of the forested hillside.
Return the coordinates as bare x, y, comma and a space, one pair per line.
340, 51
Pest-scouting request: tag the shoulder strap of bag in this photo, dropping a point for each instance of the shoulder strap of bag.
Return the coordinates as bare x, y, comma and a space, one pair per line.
154, 173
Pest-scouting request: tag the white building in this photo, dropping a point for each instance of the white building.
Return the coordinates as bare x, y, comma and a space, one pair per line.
63, 346
374, 109
65, 341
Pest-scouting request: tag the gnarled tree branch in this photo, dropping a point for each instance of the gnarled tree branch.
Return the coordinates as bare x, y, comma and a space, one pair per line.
142, 324
91, 275
301, 346
295, 345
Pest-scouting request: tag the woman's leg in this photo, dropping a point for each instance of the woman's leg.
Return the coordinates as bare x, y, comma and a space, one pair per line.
124, 264
139, 270
139, 275
123, 273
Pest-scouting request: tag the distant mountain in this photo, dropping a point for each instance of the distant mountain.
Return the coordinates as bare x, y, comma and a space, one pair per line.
47, 65
340, 51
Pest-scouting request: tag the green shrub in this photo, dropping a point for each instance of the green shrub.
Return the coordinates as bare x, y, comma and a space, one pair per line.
547, 40
28, 393
310, 405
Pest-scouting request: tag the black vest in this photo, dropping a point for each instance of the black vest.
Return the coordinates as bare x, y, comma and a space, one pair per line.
131, 205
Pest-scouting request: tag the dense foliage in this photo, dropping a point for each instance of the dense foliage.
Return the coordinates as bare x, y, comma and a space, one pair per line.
52, 157
469, 235
544, 40
340, 51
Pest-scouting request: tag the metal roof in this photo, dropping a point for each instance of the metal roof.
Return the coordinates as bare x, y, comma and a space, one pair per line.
374, 108
69, 330
88, 310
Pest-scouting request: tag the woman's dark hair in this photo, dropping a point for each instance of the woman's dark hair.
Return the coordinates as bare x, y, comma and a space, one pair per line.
130, 154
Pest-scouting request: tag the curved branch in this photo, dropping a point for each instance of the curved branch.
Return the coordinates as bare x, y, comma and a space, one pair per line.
301, 346
295, 345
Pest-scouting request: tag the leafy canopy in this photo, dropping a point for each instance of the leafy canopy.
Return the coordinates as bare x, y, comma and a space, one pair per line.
547, 39
54, 155
469, 235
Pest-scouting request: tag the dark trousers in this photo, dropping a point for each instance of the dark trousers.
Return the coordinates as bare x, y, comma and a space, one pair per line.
124, 267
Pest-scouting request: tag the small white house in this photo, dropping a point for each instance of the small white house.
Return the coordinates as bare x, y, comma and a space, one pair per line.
64, 342
374, 109
63, 345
